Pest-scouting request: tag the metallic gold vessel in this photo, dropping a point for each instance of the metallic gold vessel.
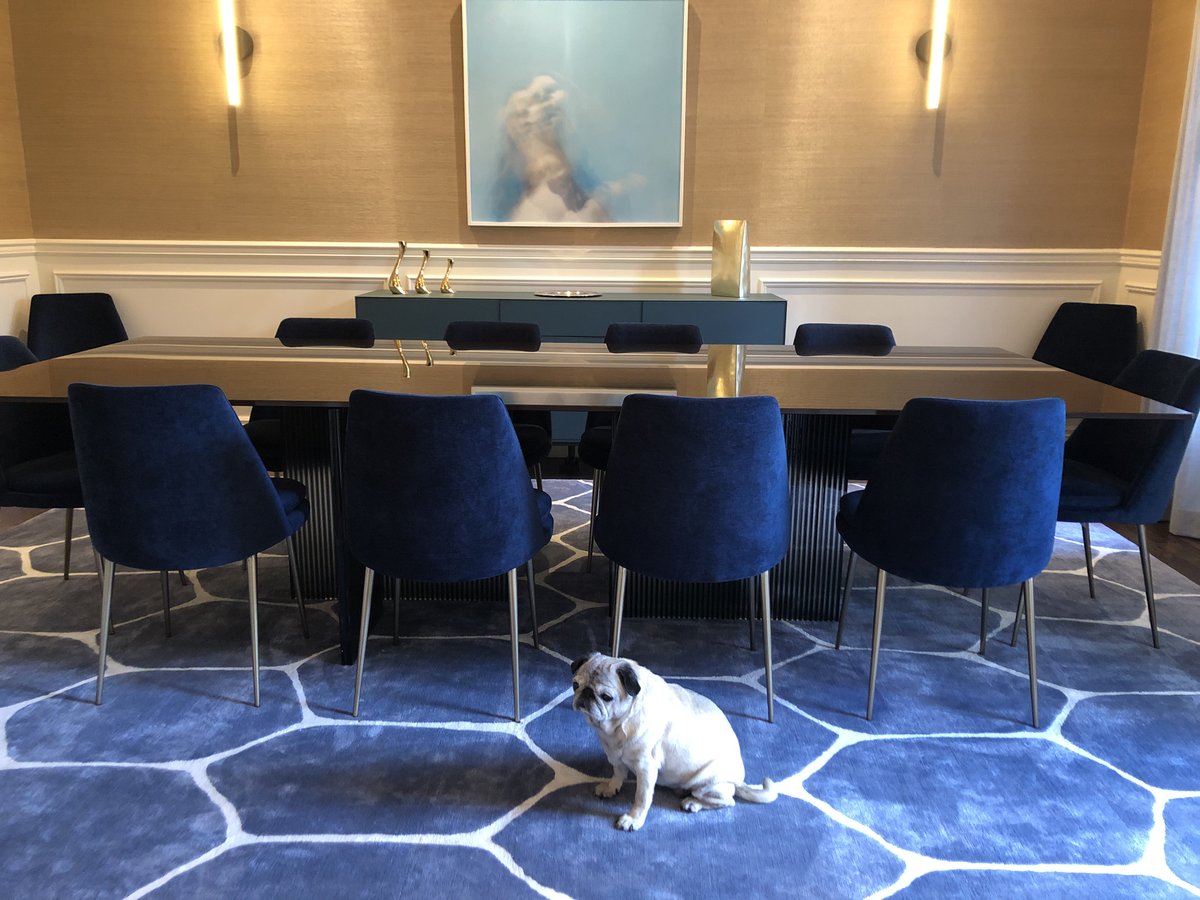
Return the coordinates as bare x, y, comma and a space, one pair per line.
445, 288
421, 288
730, 258
395, 281
726, 365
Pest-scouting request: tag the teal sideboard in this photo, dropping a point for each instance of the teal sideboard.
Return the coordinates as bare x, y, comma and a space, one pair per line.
757, 319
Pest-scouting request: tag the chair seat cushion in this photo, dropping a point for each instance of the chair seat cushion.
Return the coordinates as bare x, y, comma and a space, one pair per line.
267, 437
594, 446
49, 481
1087, 491
534, 441
294, 497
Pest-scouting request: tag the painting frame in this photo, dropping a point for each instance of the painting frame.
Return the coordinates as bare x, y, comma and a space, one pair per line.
575, 112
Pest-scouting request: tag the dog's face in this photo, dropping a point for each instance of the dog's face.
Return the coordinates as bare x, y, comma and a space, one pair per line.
605, 687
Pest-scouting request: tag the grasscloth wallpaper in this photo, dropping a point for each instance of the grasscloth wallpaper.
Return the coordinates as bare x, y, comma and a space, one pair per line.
804, 117
14, 197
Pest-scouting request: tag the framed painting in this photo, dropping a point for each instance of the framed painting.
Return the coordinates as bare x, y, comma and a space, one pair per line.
574, 111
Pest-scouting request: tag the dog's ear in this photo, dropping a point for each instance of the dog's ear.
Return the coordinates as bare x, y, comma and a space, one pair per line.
578, 664
629, 679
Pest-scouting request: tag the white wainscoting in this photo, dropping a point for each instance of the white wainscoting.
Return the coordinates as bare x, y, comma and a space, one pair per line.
929, 296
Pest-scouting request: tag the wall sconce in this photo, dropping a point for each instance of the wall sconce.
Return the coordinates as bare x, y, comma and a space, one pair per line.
236, 47
932, 49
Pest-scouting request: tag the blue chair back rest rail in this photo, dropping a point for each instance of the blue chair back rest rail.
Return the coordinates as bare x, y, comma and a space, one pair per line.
69, 323
436, 489
28, 430
1096, 340
965, 492
835, 339
1145, 455
652, 337
299, 331
170, 479
482, 335
696, 488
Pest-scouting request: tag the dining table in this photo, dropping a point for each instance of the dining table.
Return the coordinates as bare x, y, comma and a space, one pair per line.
819, 398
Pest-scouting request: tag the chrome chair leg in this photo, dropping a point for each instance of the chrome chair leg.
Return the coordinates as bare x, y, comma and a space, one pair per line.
876, 631
364, 626
107, 571
1012, 641
112, 629
515, 642
765, 590
395, 612
618, 611
182, 579
983, 614
252, 579
597, 484
294, 574
166, 598
1149, 579
1032, 648
532, 604
837, 641
537, 473
1087, 555
67, 543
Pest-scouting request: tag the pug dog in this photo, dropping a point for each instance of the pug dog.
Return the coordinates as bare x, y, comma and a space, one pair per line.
664, 734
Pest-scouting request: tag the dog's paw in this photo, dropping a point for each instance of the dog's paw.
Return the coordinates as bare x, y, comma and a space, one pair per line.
691, 804
607, 789
628, 823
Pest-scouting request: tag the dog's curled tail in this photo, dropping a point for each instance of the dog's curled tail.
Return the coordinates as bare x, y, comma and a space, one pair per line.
755, 794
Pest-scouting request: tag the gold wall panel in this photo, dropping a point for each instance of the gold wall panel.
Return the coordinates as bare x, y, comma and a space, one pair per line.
805, 118
14, 193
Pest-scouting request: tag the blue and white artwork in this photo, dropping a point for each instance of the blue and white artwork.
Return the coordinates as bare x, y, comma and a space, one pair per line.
574, 111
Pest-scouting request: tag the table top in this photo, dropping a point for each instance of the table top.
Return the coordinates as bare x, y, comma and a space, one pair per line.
572, 376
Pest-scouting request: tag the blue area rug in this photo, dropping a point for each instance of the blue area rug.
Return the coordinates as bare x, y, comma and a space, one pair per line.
178, 787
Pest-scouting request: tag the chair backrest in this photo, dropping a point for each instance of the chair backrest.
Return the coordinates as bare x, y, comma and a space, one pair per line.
1096, 340
965, 492
170, 479
299, 331
696, 488
834, 339
436, 489
1146, 455
652, 337
482, 335
69, 323
28, 430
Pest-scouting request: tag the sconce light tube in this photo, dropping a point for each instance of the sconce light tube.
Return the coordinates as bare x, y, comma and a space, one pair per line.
229, 45
937, 53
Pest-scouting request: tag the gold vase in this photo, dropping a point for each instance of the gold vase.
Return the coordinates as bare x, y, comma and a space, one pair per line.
395, 281
730, 258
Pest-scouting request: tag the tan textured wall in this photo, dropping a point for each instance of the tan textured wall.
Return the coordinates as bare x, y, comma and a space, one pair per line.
14, 195
804, 117
1158, 128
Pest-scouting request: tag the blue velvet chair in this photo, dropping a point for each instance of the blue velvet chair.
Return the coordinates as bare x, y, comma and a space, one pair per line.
697, 491
1097, 340
534, 427
170, 481
964, 494
265, 426
1123, 470
60, 324
596, 441
37, 456
436, 490
868, 433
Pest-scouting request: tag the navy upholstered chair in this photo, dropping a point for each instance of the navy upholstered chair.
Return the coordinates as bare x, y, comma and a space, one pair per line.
1097, 340
69, 323
534, 427
37, 456
964, 494
697, 491
266, 422
868, 433
170, 481
437, 490
1123, 470
596, 441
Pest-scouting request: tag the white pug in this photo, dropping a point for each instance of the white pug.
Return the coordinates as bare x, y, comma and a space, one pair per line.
664, 734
